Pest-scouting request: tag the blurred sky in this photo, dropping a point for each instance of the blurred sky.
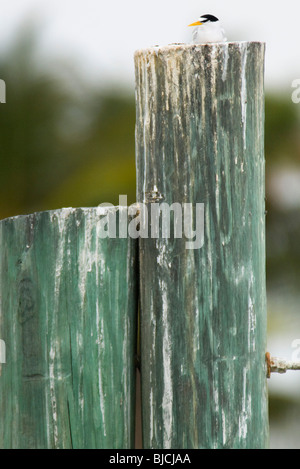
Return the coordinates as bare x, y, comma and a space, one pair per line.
103, 35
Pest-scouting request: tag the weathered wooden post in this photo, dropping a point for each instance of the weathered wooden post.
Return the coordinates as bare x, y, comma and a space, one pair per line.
200, 139
68, 319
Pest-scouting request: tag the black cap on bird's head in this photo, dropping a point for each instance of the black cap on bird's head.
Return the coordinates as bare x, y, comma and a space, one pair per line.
205, 19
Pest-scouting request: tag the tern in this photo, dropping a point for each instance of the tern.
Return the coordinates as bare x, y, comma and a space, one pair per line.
208, 29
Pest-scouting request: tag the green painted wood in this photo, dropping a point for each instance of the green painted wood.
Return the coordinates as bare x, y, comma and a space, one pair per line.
68, 318
200, 139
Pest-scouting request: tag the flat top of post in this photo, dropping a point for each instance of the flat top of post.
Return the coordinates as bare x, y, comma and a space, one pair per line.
65, 212
197, 47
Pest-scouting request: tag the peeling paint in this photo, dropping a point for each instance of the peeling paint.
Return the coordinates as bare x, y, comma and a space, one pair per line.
225, 61
167, 400
244, 57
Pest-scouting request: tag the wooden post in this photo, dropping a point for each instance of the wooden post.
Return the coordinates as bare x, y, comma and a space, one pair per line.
68, 319
200, 139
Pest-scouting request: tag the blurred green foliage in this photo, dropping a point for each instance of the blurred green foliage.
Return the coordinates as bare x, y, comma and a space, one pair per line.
65, 143
282, 130
61, 145
282, 148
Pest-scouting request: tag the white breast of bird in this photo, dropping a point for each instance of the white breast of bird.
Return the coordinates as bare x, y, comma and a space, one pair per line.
209, 33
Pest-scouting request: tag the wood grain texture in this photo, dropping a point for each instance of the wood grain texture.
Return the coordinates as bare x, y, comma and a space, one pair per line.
200, 139
68, 318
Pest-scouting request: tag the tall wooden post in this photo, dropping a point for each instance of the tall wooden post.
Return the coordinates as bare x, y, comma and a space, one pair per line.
68, 319
200, 139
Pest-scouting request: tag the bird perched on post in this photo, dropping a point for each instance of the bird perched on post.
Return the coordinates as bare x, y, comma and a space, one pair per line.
208, 29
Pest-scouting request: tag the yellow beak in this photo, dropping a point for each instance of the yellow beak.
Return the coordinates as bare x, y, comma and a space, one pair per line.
196, 24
